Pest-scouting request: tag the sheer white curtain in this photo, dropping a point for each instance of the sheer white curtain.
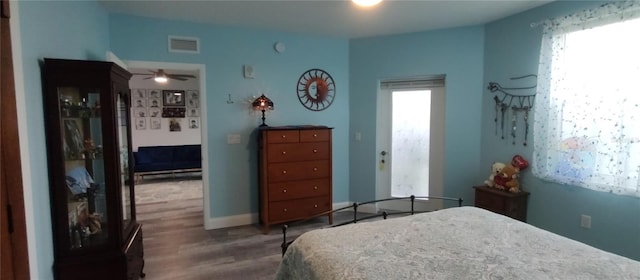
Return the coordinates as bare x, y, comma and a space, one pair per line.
587, 110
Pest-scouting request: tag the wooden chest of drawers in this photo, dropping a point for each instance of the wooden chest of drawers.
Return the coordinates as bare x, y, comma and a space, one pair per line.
509, 204
295, 173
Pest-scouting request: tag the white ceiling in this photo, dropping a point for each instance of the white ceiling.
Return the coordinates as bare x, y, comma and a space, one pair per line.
334, 18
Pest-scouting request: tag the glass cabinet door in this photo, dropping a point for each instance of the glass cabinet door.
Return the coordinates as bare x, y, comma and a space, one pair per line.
83, 162
122, 101
90, 168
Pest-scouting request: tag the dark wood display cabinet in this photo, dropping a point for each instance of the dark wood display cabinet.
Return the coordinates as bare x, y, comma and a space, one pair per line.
87, 119
506, 203
295, 173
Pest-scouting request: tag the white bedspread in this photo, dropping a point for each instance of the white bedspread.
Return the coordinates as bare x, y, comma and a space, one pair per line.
455, 243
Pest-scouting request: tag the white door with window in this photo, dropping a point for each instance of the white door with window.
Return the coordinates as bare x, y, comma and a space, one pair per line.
410, 142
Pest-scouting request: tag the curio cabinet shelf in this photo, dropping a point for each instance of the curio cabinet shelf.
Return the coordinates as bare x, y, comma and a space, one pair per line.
88, 133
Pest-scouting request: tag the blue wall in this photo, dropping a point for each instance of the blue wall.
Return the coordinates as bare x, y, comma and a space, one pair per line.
502, 49
457, 53
49, 29
512, 48
224, 50
84, 33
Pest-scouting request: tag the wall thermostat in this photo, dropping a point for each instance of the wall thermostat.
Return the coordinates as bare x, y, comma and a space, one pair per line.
248, 71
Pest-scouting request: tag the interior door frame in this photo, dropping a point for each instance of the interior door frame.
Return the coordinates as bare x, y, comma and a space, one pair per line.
14, 243
201, 70
437, 144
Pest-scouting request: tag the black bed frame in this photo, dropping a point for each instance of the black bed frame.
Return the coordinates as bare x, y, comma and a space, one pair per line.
384, 214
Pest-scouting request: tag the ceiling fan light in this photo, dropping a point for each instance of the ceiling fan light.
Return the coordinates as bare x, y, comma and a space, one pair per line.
366, 3
160, 77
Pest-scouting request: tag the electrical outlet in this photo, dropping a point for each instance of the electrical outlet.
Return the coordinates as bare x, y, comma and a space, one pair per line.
585, 221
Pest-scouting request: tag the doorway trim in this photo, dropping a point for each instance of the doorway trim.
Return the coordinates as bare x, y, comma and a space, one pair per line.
201, 69
436, 83
33, 243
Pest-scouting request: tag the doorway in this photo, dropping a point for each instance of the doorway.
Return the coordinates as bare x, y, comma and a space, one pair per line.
410, 142
191, 125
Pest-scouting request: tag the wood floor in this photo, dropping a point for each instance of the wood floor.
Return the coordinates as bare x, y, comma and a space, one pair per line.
176, 246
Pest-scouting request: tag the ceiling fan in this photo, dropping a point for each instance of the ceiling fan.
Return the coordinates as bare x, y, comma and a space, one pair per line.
161, 76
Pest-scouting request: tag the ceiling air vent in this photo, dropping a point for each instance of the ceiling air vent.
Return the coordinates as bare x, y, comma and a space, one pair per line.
184, 44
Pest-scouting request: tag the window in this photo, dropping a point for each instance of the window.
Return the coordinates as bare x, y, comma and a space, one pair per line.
410, 142
587, 116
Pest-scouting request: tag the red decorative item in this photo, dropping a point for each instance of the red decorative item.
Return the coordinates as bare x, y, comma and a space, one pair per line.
519, 162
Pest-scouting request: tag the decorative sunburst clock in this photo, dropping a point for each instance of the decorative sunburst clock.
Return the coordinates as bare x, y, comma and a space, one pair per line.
316, 89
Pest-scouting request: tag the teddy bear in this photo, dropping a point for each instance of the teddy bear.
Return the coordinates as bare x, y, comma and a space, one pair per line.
496, 168
508, 179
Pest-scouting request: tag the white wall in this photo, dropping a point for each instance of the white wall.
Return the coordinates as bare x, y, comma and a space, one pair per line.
162, 136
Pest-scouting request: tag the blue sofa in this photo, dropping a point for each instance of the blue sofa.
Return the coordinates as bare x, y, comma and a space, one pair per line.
167, 159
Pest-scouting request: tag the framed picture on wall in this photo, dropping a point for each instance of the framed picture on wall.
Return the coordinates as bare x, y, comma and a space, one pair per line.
154, 93
155, 112
173, 112
140, 112
194, 122
141, 123
155, 123
174, 125
193, 99
139, 103
173, 98
193, 112
155, 103
140, 93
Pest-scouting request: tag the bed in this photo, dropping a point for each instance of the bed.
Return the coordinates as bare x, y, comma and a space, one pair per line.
454, 243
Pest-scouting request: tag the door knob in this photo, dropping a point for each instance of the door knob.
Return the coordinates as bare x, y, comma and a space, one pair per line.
383, 153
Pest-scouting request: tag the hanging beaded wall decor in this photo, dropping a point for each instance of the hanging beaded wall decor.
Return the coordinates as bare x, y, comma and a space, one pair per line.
516, 103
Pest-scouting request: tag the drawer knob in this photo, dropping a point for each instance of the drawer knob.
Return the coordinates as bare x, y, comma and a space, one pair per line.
315, 187
315, 206
284, 191
284, 136
315, 150
315, 135
284, 210
284, 171
315, 169
284, 152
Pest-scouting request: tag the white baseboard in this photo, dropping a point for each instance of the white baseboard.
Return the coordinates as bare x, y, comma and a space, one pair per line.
231, 221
